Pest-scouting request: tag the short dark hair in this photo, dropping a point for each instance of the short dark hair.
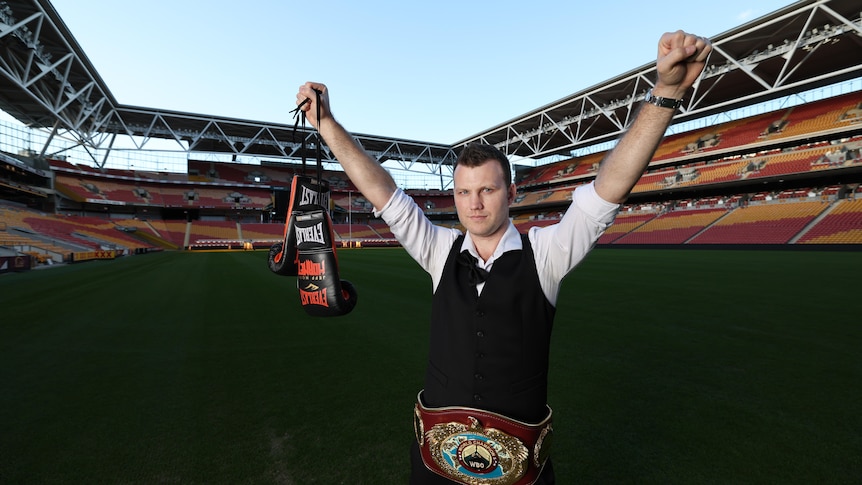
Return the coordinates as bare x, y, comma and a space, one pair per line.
475, 154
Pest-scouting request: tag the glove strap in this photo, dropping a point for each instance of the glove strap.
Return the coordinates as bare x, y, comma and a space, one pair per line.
298, 115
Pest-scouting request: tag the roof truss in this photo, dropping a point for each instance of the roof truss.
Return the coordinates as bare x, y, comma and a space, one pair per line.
806, 45
47, 82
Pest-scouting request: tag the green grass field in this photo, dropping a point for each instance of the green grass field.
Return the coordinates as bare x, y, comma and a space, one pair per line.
667, 366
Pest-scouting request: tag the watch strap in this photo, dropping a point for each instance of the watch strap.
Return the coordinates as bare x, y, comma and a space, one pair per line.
662, 102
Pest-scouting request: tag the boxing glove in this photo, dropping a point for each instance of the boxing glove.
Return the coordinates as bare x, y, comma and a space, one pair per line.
303, 191
321, 291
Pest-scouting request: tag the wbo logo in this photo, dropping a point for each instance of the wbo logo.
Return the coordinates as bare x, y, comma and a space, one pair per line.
474, 455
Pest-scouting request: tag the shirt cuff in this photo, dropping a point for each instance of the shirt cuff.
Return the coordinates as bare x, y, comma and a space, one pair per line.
592, 204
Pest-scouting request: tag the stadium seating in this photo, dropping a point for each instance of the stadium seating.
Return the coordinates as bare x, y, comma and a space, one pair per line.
543, 197
351, 202
171, 231
728, 158
76, 189
675, 227
524, 225
562, 171
433, 201
258, 231
354, 231
842, 225
723, 136
213, 230
13, 219
177, 197
747, 131
625, 223
769, 223
818, 116
839, 112
700, 174
381, 229
219, 172
71, 232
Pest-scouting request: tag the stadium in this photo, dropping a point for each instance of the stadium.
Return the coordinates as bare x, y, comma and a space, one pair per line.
156, 347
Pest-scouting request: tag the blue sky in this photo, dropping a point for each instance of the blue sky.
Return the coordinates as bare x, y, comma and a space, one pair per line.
434, 71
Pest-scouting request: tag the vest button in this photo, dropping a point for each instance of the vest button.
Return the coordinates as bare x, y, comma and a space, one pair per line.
480, 334
477, 397
480, 355
478, 377
480, 313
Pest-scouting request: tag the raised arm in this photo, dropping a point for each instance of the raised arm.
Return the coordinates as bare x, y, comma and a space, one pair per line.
367, 175
681, 58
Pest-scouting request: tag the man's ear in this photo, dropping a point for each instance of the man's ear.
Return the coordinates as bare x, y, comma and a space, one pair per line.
512, 192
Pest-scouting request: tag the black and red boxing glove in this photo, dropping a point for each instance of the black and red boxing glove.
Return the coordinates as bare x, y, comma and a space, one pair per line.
303, 191
321, 291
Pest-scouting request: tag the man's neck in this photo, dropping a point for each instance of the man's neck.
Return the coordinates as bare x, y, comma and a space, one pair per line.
486, 245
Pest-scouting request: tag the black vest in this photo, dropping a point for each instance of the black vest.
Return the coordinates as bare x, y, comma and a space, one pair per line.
491, 352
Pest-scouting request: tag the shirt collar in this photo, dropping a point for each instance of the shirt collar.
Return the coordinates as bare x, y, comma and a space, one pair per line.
511, 241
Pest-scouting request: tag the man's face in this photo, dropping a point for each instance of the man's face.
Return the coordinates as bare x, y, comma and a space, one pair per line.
482, 198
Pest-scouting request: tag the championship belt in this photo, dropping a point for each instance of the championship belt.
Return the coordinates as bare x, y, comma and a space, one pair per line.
476, 447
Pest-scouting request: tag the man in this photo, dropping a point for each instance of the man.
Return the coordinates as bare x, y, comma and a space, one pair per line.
482, 416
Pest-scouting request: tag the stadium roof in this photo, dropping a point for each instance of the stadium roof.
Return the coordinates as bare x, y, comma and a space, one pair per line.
803, 46
48, 83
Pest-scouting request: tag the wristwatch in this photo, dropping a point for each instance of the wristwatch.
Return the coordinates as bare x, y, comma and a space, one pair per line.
671, 103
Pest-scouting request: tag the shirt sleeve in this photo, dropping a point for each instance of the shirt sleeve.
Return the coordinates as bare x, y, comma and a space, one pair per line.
427, 243
560, 247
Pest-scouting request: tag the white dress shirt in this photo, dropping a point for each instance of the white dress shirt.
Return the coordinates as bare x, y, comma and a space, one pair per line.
558, 248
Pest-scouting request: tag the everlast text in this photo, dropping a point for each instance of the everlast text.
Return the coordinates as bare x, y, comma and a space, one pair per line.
313, 297
312, 234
